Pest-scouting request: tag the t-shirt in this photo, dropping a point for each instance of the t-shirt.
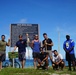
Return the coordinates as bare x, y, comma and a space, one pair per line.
68, 44
49, 41
42, 56
2, 45
21, 44
57, 58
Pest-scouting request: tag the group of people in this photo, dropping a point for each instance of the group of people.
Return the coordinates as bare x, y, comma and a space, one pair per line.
41, 52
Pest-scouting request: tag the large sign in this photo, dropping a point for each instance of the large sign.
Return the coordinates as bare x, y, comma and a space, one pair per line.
23, 29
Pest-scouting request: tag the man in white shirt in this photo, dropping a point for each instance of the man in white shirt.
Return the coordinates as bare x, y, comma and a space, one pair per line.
57, 61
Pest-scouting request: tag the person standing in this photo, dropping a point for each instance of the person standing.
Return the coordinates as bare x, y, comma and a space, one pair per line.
68, 47
47, 44
3, 45
35, 45
21, 44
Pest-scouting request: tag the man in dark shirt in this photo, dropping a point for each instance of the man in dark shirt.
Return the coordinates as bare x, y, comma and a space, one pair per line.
47, 44
21, 44
43, 59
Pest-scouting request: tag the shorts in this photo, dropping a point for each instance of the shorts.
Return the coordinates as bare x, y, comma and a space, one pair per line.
49, 53
60, 65
2, 56
22, 56
70, 57
36, 54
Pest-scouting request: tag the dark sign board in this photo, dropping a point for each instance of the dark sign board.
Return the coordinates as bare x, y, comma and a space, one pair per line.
23, 29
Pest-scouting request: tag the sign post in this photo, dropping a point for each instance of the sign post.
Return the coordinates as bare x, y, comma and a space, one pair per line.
13, 56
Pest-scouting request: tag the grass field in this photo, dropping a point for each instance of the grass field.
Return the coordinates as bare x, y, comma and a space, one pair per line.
32, 71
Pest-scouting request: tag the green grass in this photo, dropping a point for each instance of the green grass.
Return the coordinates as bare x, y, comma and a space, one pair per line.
32, 71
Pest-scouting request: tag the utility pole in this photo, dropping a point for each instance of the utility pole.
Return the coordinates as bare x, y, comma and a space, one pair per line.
58, 41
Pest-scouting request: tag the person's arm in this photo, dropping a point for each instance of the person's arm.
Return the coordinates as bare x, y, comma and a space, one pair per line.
66, 50
59, 58
43, 44
14, 48
32, 44
59, 61
25, 42
28, 40
8, 43
40, 43
39, 61
45, 58
71, 49
64, 47
51, 43
73, 44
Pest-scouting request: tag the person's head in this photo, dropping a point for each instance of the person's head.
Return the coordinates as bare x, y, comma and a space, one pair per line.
20, 37
67, 37
3, 37
55, 52
45, 35
36, 37
26, 34
41, 50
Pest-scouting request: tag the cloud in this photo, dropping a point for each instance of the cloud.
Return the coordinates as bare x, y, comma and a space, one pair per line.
23, 21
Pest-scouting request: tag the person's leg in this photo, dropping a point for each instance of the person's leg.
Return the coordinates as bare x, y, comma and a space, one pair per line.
23, 63
54, 66
0, 61
46, 64
57, 67
50, 55
39, 61
35, 57
35, 66
61, 65
0, 65
73, 62
69, 64
72, 56
22, 58
68, 58
2, 58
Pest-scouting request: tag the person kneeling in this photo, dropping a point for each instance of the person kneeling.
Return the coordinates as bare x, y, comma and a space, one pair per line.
57, 61
43, 60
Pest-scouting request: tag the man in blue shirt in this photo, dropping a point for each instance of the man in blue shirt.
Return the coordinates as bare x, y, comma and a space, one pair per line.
21, 44
68, 47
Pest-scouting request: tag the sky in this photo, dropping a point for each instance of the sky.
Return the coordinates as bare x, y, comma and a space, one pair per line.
55, 17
